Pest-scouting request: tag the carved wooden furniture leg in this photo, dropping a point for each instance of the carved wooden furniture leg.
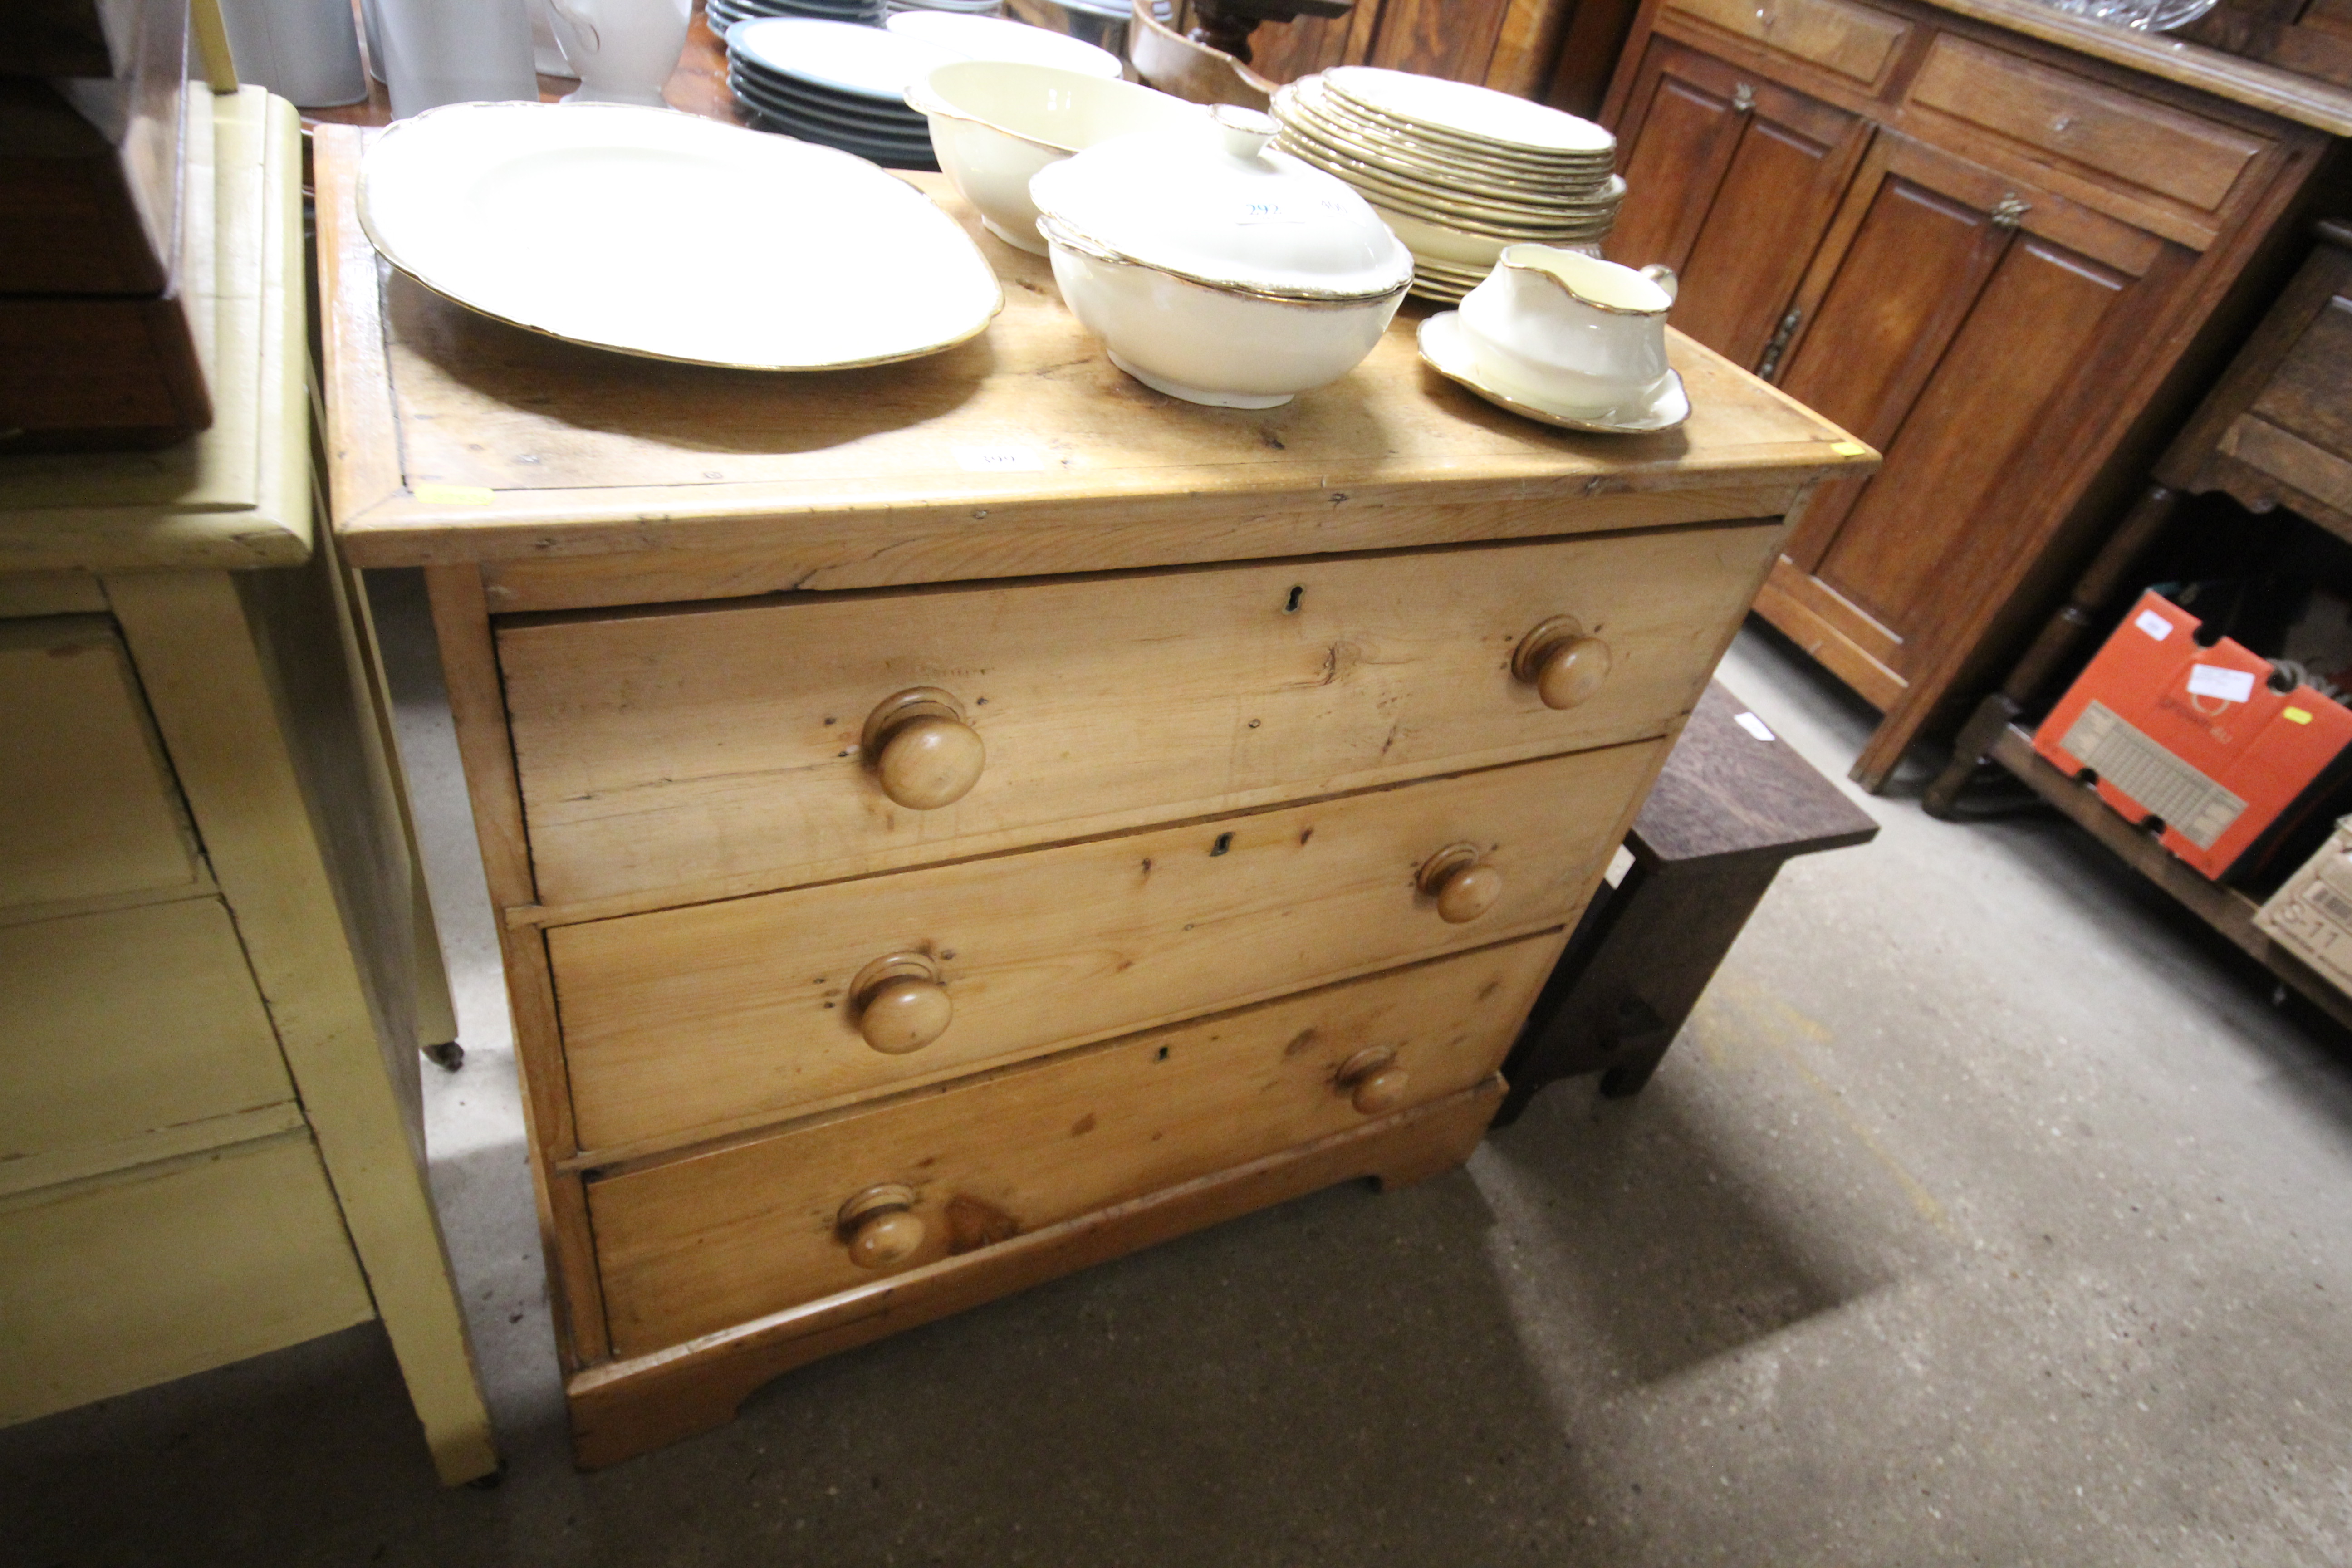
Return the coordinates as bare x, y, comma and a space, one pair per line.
2059, 639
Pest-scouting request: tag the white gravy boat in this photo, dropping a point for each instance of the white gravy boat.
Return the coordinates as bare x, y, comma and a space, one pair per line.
1569, 333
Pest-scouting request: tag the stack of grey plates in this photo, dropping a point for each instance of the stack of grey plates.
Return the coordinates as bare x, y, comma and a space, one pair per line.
839, 84
725, 14
968, 7
1457, 171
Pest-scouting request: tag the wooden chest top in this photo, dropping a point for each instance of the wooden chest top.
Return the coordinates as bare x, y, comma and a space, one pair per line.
456, 438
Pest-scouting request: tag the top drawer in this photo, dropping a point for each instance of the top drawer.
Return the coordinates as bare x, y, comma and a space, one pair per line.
2134, 144
703, 752
1852, 41
86, 808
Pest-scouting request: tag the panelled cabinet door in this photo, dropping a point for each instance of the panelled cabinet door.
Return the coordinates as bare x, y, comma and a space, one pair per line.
1732, 181
1961, 322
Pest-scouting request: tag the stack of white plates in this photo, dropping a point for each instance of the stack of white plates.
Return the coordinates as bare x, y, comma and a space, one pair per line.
834, 83
725, 14
967, 7
1457, 171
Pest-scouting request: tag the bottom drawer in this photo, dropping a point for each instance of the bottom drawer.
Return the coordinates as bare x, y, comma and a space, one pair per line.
112, 1285
710, 1240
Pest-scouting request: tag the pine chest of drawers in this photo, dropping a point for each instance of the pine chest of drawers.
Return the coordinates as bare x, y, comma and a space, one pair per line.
957, 822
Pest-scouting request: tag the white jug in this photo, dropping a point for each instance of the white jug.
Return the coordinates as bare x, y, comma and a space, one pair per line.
623, 50
1570, 332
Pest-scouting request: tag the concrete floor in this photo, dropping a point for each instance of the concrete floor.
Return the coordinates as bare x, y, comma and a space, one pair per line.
1987, 1212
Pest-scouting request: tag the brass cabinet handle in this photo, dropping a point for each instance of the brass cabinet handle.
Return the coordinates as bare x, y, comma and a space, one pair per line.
2010, 210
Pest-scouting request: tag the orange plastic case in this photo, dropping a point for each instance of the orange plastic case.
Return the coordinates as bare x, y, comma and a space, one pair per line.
2194, 736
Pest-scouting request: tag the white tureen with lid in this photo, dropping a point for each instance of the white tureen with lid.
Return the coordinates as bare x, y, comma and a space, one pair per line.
1216, 270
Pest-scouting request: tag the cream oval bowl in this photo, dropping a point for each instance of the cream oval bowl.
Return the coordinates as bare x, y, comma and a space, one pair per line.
1211, 345
994, 123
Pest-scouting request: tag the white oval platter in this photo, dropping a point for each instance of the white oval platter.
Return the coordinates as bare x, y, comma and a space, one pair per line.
595, 223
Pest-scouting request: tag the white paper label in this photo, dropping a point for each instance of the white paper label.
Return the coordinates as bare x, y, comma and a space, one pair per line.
2154, 624
2213, 681
1753, 725
998, 460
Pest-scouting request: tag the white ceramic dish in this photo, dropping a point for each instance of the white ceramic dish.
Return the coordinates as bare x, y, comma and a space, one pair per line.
1380, 186
838, 114
584, 222
1570, 330
1466, 112
1309, 96
995, 124
1446, 348
1216, 270
838, 57
1461, 246
971, 37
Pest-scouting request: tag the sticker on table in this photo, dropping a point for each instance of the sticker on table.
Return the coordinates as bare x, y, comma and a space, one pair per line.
2213, 681
2154, 624
998, 460
1753, 725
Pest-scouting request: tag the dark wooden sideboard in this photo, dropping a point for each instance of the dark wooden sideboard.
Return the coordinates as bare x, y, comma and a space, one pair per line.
2010, 262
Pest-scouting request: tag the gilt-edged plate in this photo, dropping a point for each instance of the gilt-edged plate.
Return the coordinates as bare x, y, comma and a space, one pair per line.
1443, 350
591, 223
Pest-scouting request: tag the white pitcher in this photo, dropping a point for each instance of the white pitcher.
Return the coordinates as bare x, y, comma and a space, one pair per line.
623, 50
1571, 333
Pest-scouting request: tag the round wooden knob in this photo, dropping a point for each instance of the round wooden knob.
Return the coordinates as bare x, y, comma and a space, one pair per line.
881, 1227
1464, 885
1564, 666
1375, 1085
923, 753
902, 1005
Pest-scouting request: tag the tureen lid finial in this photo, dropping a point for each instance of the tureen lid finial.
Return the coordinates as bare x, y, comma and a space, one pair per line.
1246, 131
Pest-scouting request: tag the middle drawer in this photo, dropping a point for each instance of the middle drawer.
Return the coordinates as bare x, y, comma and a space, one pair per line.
691, 753
719, 1016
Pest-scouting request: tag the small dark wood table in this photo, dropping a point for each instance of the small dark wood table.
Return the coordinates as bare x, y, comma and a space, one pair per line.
1731, 805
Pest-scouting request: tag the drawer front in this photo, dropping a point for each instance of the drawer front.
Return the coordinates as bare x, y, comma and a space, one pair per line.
116, 1285
719, 1238
87, 809
2134, 144
123, 1023
726, 1015
722, 751
1855, 41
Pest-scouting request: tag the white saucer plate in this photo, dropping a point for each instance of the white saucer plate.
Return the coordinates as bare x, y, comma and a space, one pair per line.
1444, 351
